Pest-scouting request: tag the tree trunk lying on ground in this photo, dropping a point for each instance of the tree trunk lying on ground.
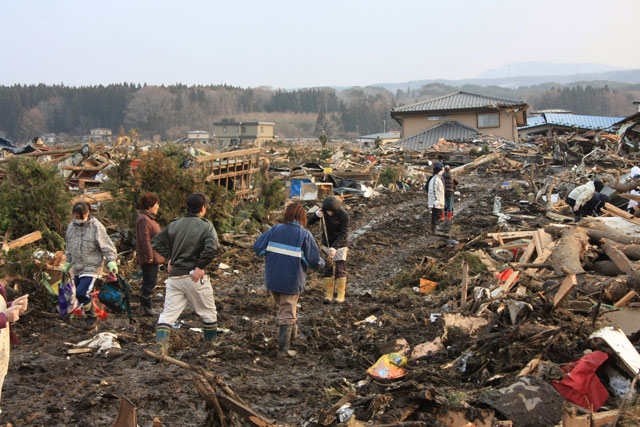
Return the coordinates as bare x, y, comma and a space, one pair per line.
623, 187
566, 256
596, 231
606, 268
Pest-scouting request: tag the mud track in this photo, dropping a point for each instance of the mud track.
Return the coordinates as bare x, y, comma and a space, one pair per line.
47, 387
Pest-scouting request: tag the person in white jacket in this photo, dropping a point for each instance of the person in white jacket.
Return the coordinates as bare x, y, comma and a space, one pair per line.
436, 195
581, 195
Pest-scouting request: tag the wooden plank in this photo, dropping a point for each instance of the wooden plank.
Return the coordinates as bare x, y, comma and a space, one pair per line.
24, 240
511, 234
243, 411
82, 350
630, 196
594, 419
83, 168
228, 155
546, 253
625, 299
568, 285
465, 284
537, 242
528, 253
609, 208
504, 288
545, 238
93, 197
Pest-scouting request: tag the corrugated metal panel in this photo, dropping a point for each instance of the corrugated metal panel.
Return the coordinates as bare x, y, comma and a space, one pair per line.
458, 101
534, 121
577, 121
581, 121
381, 135
451, 131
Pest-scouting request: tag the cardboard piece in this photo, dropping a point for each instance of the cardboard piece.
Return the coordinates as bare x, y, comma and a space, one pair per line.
627, 320
469, 324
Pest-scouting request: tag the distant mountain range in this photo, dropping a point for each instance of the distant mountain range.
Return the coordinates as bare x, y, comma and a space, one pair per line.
545, 69
531, 74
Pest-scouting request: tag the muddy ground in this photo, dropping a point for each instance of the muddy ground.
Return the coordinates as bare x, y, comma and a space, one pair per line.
47, 387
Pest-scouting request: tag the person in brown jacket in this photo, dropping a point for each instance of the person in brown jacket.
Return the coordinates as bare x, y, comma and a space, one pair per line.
146, 228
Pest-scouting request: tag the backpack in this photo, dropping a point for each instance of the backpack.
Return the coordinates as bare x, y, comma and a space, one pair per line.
116, 295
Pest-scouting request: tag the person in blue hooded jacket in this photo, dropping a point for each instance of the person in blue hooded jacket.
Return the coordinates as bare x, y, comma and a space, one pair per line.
289, 249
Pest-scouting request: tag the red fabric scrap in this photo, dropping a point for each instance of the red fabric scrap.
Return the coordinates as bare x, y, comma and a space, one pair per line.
582, 386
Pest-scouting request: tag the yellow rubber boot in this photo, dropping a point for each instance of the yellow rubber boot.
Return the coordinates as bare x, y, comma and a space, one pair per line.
328, 289
341, 286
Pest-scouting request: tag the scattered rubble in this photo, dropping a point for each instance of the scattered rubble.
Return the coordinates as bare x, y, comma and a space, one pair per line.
477, 324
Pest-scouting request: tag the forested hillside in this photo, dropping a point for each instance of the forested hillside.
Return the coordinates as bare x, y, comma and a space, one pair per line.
171, 111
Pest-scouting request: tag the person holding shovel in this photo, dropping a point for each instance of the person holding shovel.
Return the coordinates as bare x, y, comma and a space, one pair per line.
335, 233
9, 313
289, 249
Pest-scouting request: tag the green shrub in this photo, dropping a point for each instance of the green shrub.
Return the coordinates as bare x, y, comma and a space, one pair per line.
34, 198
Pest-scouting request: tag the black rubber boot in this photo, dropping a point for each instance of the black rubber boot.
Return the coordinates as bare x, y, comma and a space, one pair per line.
146, 306
284, 340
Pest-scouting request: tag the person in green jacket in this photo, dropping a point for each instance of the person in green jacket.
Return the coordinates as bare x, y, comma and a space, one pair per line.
189, 244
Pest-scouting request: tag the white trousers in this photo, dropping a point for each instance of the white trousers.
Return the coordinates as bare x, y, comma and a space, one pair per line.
181, 290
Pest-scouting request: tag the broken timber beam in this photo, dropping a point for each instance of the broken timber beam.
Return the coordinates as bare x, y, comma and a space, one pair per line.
477, 162
22, 241
617, 256
567, 286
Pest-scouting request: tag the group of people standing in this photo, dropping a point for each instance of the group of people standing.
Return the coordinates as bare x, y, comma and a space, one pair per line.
189, 244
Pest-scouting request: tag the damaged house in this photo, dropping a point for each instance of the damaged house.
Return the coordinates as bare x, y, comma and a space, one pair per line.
549, 124
457, 116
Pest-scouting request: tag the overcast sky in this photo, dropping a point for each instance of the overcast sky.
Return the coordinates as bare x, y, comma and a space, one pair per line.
304, 43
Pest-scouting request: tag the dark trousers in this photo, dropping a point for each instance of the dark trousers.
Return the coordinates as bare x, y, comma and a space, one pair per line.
84, 286
149, 279
578, 214
436, 213
340, 269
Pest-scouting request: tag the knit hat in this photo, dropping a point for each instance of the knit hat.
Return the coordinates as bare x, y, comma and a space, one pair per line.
437, 168
598, 185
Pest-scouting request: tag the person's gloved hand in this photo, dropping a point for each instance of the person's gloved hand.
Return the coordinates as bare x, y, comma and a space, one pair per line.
319, 213
113, 267
12, 313
67, 266
332, 253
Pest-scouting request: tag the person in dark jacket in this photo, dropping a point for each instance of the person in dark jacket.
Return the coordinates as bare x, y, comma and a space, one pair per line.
146, 229
289, 249
449, 188
335, 241
189, 244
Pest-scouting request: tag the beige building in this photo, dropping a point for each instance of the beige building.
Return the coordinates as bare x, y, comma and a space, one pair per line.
243, 134
496, 116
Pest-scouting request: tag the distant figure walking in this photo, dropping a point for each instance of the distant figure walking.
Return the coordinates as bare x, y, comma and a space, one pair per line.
436, 195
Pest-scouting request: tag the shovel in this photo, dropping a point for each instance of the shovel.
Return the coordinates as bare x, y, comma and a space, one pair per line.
326, 237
